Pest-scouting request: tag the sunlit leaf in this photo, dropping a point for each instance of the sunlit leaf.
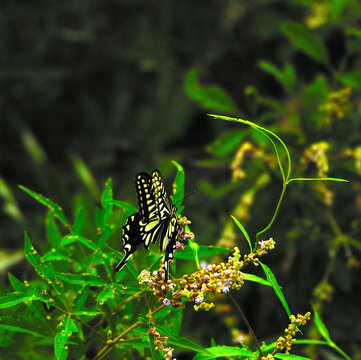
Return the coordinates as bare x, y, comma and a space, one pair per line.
244, 232
224, 351
277, 289
257, 279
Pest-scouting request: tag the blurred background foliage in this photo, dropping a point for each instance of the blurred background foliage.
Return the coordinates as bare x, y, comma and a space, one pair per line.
92, 90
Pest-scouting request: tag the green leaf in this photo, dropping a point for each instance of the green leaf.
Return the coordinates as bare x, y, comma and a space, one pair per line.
271, 278
107, 196
30, 253
87, 313
223, 351
175, 340
203, 251
12, 299
308, 341
54, 208
290, 357
84, 279
286, 76
69, 239
52, 231
20, 329
127, 208
56, 256
85, 176
65, 330
195, 248
321, 327
82, 296
129, 265
178, 187
257, 279
318, 179
33, 147
211, 97
78, 226
107, 206
244, 232
16, 284
11, 207
226, 143
352, 79
107, 293
306, 40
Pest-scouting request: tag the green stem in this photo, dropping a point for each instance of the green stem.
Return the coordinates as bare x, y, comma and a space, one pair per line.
274, 215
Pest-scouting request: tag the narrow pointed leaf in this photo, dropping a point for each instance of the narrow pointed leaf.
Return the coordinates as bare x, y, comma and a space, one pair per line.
321, 327
224, 352
244, 232
257, 279
77, 279
12, 299
54, 208
21, 329
277, 289
290, 357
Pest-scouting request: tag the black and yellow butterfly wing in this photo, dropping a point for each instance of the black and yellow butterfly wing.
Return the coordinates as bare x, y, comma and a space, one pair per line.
156, 219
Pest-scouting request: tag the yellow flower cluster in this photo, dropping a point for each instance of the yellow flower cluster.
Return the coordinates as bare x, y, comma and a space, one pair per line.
220, 278
316, 156
323, 291
336, 105
245, 149
285, 343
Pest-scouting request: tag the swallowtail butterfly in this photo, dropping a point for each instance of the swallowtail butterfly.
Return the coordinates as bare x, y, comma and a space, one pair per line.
156, 219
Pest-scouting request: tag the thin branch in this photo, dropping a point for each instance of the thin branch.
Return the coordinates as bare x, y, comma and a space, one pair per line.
89, 326
247, 323
110, 343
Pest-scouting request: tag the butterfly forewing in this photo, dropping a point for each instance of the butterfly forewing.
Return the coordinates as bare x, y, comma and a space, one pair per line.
161, 198
147, 205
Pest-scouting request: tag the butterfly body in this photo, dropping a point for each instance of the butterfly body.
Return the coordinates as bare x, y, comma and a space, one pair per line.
156, 219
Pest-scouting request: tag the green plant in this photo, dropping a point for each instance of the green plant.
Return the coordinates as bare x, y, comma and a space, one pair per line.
80, 308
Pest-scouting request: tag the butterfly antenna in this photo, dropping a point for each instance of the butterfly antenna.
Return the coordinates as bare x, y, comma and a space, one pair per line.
188, 195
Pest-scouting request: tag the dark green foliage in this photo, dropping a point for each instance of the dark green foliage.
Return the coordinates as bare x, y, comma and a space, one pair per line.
107, 89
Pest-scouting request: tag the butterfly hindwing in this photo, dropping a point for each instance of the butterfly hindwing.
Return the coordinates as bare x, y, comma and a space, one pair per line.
169, 242
131, 237
156, 219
